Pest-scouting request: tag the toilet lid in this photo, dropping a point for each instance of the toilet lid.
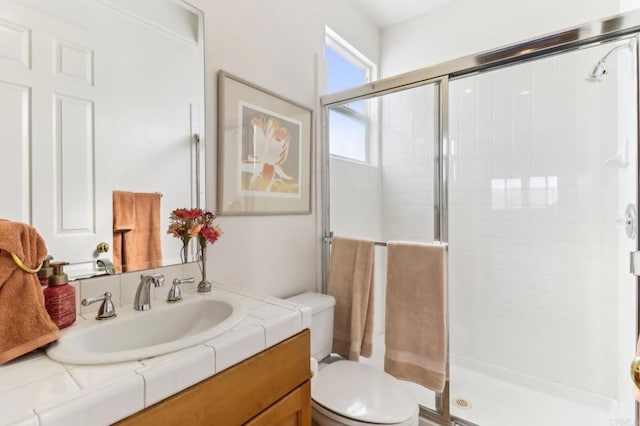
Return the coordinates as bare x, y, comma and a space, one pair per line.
361, 392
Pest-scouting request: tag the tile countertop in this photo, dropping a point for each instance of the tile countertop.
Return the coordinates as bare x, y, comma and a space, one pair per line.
35, 390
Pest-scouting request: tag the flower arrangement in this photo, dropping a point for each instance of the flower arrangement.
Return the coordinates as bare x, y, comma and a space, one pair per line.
193, 223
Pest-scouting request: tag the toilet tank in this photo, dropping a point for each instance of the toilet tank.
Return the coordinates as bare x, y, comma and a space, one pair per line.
321, 321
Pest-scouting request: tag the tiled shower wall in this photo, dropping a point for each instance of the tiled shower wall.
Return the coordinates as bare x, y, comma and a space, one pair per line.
407, 156
534, 247
355, 199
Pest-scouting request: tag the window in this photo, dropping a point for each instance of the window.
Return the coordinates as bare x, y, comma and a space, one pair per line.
349, 124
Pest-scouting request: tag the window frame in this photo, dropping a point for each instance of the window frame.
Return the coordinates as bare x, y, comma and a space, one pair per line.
349, 53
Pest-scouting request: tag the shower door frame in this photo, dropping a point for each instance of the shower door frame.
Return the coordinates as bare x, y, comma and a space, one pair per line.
620, 26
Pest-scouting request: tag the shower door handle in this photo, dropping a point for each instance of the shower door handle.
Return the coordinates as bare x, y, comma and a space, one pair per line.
634, 263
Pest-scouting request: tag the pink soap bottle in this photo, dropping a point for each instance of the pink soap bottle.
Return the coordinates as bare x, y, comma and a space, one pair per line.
60, 297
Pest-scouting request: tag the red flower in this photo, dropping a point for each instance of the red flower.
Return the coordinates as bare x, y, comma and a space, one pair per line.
209, 234
186, 214
188, 223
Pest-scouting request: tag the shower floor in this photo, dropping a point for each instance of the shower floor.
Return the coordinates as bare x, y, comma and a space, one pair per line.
496, 402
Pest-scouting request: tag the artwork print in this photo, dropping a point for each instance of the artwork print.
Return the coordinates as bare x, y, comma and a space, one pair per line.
270, 155
264, 151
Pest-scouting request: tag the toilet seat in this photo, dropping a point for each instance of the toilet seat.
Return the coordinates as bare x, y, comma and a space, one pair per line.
353, 393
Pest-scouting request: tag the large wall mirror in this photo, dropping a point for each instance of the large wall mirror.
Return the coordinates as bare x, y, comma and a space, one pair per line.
98, 96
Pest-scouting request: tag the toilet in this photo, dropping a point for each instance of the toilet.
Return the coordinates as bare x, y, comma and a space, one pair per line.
348, 392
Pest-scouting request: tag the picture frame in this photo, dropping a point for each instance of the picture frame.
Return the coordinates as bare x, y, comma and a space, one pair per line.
264, 151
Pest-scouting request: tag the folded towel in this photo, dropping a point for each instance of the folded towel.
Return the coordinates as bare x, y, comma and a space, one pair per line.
25, 324
415, 320
124, 210
351, 283
136, 231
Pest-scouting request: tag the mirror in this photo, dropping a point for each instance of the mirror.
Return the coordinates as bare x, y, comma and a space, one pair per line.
99, 96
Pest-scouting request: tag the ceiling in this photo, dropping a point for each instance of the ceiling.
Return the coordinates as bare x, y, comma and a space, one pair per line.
385, 13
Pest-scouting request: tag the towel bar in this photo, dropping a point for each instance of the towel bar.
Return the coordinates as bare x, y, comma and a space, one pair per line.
383, 244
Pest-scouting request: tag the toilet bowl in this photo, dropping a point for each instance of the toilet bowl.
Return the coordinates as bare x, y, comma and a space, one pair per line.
347, 392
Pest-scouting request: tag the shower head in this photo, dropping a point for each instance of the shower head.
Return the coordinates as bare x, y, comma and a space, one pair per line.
597, 71
600, 68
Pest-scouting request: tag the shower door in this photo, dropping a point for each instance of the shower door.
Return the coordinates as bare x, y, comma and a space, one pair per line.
391, 194
542, 168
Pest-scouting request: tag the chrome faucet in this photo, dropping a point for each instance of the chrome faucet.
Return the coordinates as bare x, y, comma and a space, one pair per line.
142, 302
106, 265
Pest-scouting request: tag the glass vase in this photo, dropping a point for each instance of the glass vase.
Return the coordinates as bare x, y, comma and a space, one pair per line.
204, 286
184, 252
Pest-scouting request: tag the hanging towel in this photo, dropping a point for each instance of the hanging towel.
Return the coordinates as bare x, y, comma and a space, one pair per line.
25, 324
351, 283
136, 231
124, 211
415, 319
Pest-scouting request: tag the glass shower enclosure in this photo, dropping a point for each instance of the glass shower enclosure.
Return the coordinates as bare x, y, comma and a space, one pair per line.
523, 160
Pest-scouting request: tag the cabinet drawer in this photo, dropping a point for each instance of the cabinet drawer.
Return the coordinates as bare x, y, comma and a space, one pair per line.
292, 410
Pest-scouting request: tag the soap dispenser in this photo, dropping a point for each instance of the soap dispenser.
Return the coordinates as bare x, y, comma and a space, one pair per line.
45, 272
60, 297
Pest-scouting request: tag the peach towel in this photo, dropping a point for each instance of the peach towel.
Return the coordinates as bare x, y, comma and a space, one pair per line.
415, 319
25, 324
136, 231
351, 283
124, 211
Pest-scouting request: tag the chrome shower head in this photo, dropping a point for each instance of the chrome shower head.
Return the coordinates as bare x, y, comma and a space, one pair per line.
597, 72
600, 68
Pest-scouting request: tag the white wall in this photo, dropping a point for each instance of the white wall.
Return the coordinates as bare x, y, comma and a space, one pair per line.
278, 46
464, 27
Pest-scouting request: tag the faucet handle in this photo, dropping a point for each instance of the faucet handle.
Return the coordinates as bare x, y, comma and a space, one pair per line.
107, 309
175, 293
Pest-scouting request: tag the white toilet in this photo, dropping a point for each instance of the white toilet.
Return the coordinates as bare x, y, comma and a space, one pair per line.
347, 392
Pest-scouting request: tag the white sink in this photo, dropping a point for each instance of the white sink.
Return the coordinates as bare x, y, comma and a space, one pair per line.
135, 335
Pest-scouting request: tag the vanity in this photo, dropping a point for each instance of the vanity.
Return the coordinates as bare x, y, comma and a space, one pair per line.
256, 373
271, 388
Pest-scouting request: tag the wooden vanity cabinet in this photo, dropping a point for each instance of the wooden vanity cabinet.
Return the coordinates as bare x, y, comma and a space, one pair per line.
270, 388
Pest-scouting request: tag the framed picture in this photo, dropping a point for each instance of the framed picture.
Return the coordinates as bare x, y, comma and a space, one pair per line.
264, 151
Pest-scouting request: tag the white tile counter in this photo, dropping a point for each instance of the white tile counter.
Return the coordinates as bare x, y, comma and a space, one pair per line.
35, 390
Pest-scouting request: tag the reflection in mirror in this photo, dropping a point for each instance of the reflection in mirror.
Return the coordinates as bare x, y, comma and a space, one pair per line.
101, 98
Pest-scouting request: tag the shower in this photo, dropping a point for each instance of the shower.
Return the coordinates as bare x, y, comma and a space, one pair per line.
526, 205
600, 68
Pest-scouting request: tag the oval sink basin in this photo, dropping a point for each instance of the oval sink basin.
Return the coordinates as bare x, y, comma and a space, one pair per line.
135, 335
